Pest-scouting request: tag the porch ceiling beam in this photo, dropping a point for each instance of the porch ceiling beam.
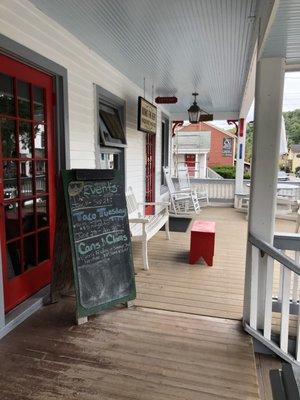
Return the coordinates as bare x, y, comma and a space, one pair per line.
292, 67
266, 10
249, 91
218, 115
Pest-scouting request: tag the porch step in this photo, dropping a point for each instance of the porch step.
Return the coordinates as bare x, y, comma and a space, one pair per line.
285, 382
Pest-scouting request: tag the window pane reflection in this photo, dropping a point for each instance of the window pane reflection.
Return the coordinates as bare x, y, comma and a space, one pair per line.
41, 176
23, 99
38, 103
43, 248
8, 138
12, 226
29, 246
25, 140
26, 178
109, 161
7, 106
28, 218
14, 259
10, 181
42, 211
39, 141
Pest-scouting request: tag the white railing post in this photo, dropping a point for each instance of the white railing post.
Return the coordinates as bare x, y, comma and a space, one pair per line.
285, 310
269, 299
295, 296
254, 287
266, 143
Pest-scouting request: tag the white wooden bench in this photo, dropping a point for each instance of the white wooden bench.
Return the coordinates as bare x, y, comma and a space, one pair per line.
144, 227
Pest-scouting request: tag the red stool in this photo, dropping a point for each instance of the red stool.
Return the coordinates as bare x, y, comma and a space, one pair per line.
203, 241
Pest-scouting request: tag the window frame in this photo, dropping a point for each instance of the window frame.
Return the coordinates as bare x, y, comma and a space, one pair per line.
110, 100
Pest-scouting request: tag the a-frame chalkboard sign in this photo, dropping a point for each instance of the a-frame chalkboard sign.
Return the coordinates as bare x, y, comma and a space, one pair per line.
100, 239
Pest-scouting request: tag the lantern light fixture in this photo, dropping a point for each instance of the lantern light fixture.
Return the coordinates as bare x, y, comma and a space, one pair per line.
196, 114
194, 111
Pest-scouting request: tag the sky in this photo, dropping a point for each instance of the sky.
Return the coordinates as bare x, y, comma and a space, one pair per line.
291, 98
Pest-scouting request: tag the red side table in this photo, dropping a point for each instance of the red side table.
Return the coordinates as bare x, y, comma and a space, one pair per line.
203, 241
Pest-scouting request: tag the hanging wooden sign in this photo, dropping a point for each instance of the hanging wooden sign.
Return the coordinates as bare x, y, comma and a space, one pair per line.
166, 100
147, 116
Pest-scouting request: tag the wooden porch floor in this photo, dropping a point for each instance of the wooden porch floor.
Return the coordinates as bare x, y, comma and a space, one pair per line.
174, 285
135, 353
171, 346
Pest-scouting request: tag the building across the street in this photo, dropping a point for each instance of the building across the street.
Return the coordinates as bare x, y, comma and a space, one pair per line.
201, 146
292, 159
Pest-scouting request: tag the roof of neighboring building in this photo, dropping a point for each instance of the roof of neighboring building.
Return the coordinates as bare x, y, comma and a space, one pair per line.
295, 148
199, 127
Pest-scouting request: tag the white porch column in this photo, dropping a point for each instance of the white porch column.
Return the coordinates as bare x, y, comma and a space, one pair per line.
240, 159
202, 165
266, 144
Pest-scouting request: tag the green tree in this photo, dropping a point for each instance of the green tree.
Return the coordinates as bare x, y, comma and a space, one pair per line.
292, 126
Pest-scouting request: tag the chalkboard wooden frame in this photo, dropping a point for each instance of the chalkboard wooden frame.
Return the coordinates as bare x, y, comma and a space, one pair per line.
69, 176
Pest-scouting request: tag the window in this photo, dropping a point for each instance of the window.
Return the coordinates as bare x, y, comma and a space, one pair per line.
110, 126
111, 133
164, 146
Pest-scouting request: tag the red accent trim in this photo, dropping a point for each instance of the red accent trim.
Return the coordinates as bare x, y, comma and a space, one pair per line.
235, 123
241, 127
150, 173
29, 281
176, 124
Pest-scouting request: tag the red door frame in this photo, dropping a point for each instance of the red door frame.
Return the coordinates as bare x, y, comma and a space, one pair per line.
150, 172
22, 286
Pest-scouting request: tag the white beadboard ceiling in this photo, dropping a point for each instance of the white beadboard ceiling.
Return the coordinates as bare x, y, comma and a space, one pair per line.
284, 37
179, 46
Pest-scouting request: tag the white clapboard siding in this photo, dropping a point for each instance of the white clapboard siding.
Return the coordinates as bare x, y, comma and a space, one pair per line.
21, 21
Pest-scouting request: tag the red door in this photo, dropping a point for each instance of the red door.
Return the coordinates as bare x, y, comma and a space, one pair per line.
150, 172
190, 160
27, 182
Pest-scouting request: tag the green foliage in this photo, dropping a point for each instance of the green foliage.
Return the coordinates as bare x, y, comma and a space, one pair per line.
292, 126
297, 169
228, 172
249, 142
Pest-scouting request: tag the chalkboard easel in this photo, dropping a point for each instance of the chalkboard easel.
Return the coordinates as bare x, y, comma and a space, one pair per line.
100, 240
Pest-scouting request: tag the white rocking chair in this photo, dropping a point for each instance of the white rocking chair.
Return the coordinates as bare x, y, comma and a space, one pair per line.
182, 201
185, 184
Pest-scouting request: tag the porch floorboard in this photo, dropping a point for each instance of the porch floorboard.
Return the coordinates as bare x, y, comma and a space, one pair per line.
131, 353
173, 284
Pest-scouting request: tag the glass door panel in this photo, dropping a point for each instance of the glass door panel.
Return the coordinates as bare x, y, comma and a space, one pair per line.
27, 187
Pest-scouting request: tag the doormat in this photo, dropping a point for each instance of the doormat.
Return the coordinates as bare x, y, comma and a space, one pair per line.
178, 224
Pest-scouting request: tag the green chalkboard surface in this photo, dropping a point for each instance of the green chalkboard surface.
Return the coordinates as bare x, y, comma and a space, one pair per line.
100, 239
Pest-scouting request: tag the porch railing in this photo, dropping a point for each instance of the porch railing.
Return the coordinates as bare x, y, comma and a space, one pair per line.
223, 190
280, 295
